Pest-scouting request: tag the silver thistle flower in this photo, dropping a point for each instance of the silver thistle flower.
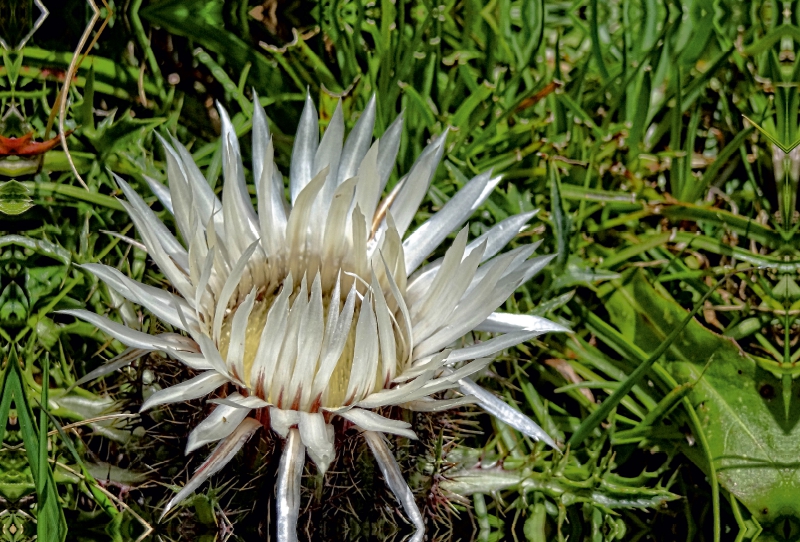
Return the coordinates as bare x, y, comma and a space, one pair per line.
320, 309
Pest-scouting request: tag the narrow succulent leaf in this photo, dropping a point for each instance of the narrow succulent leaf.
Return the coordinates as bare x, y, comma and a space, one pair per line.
598, 415
560, 217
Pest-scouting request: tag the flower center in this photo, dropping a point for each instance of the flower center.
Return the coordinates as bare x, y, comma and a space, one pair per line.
290, 382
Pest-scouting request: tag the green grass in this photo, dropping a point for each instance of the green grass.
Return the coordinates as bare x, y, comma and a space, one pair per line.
623, 121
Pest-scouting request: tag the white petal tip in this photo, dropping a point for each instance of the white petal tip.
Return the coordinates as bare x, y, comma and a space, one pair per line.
166, 511
162, 139
561, 329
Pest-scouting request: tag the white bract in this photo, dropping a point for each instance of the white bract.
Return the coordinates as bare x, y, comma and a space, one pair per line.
319, 308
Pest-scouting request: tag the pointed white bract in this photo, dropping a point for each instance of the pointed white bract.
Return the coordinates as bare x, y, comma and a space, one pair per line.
306, 306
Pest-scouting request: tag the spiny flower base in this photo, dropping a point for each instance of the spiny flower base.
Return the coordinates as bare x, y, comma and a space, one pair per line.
350, 502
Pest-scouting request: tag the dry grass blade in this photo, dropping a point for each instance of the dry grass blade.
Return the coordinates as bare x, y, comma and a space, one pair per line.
77, 59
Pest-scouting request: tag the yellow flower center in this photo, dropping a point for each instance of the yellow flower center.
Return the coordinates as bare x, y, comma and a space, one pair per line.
334, 394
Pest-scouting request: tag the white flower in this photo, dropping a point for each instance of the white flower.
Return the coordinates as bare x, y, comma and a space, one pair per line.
320, 309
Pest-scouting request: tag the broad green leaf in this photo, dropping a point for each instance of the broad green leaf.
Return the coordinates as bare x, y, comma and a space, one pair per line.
654, 351
754, 444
